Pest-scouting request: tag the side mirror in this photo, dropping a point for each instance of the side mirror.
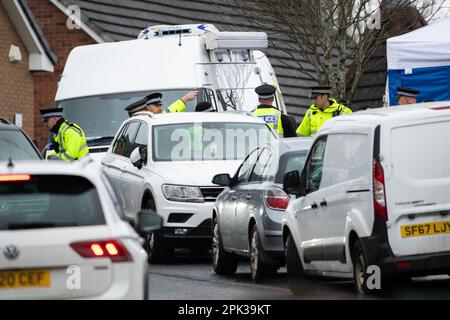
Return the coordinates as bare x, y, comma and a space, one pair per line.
222, 180
148, 221
136, 158
292, 184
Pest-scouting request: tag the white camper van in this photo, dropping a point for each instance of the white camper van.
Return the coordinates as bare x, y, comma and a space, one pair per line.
100, 80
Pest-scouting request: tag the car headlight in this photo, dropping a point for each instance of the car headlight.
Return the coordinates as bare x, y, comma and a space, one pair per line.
182, 193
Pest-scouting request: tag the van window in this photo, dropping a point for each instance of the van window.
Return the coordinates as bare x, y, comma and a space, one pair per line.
101, 116
347, 157
421, 151
314, 166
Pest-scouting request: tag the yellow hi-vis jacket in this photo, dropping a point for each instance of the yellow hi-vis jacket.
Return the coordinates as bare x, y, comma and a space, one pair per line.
315, 117
271, 116
177, 106
72, 142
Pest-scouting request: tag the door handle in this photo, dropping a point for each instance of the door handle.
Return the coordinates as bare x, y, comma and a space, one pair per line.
248, 196
323, 203
314, 205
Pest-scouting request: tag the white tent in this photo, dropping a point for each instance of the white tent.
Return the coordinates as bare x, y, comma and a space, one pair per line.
421, 59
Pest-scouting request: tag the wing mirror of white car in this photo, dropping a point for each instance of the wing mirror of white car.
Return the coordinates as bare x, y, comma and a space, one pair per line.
136, 158
293, 184
149, 221
222, 179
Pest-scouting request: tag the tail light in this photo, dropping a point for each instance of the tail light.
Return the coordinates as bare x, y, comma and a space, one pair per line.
379, 195
14, 177
277, 199
112, 249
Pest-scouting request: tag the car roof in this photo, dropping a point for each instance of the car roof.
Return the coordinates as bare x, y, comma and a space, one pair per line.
295, 144
85, 168
188, 117
5, 126
394, 114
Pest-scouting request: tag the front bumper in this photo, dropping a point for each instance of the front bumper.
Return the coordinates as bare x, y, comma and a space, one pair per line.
185, 237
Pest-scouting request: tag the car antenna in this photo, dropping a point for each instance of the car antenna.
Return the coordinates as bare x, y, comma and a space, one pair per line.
10, 163
179, 43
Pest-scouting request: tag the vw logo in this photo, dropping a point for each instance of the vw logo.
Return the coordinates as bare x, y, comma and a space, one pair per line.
11, 252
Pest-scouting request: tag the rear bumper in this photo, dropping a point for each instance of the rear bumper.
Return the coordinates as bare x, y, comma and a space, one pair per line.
379, 254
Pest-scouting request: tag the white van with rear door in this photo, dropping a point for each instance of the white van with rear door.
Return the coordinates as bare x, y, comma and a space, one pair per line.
374, 191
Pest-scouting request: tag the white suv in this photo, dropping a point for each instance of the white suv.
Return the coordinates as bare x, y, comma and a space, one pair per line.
63, 235
374, 192
166, 163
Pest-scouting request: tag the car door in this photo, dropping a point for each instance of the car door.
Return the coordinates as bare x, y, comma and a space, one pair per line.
111, 164
121, 162
228, 214
306, 208
249, 200
346, 177
133, 178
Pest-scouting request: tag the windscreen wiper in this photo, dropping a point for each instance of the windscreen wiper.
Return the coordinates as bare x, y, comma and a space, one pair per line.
40, 225
95, 141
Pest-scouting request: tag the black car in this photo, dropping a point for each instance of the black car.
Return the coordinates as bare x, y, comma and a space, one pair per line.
15, 144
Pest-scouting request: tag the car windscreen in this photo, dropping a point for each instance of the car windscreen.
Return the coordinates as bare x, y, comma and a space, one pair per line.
14, 145
48, 201
101, 116
207, 140
291, 161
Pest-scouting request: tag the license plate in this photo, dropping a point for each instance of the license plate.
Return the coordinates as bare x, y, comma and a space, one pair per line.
425, 229
24, 279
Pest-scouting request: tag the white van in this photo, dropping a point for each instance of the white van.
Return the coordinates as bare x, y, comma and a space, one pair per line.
100, 80
375, 191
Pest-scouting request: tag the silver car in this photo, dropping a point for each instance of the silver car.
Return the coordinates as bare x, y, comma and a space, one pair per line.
247, 215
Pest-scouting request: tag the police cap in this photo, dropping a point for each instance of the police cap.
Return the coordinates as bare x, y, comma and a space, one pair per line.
204, 107
319, 90
407, 92
154, 98
52, 112
266, 91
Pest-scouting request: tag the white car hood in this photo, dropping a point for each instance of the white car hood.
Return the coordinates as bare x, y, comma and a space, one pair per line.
195, 173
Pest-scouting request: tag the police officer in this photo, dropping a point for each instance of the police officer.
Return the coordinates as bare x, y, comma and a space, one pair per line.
266, 111
407, 95
153, 103
323, 109
70, 141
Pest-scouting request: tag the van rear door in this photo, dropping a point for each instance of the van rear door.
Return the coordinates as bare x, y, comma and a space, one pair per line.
418, 186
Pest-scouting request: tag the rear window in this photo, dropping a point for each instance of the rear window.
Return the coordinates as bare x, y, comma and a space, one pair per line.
46, 201
14, 145
422, 151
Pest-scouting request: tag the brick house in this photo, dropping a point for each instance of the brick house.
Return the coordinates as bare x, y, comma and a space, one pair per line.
23, 54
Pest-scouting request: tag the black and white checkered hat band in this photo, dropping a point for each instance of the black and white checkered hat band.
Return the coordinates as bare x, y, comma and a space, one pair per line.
154, 101
52, 114
266, 97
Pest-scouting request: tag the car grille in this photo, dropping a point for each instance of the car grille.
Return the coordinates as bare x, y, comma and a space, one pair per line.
211, 194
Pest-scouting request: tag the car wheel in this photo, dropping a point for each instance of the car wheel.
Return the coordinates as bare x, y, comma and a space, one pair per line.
224, 263
359, 268
258, 269
298, 282
156, 250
